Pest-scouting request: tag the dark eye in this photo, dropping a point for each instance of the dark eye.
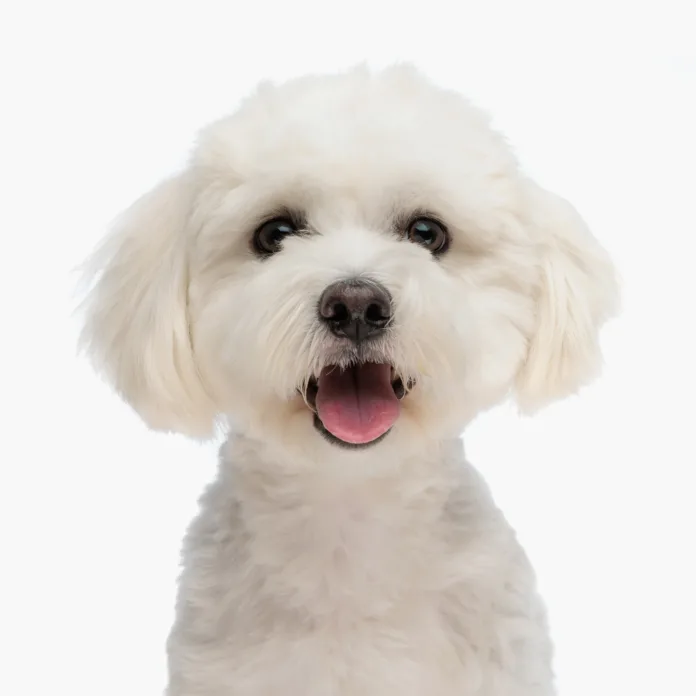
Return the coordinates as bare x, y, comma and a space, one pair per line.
429, 234
268, 237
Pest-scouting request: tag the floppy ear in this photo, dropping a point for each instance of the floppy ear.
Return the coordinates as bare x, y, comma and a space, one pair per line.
578, 292
136, 330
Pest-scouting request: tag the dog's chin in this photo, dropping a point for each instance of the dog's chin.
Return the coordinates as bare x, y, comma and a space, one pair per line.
355, 407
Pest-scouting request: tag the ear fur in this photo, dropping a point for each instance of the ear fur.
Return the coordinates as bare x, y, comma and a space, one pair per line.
578, 293
136, 329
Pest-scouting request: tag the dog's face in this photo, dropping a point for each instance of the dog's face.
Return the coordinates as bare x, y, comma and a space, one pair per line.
347, 261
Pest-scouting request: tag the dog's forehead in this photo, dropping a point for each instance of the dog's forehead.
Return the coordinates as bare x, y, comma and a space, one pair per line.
356, 130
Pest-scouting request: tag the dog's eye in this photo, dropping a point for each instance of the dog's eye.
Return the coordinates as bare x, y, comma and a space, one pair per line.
268, 237
430, 234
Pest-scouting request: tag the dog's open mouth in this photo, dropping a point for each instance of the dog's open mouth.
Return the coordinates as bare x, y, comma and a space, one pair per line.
356, 406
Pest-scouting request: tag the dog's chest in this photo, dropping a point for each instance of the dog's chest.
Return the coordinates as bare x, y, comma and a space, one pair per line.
349, 551
406, 653
348, 592
345, 600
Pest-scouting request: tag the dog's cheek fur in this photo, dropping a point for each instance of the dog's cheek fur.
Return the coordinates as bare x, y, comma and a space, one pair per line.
136, 329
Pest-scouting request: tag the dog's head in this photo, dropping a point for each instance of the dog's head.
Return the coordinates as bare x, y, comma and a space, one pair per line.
350, 259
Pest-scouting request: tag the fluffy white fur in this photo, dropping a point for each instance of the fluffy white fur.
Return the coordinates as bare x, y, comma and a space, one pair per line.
312, 570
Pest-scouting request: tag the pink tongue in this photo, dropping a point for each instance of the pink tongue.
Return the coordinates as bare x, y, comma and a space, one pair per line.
357, 405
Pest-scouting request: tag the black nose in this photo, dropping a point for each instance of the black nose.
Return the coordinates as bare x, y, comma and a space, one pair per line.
355, 309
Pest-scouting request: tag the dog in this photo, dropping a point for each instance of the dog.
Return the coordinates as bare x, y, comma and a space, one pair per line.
348, 270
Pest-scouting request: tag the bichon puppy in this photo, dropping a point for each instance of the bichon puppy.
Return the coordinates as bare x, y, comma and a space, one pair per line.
349, 269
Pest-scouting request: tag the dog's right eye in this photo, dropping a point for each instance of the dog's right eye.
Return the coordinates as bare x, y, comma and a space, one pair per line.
268, 237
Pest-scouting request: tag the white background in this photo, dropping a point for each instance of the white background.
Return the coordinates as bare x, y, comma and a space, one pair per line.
101, 99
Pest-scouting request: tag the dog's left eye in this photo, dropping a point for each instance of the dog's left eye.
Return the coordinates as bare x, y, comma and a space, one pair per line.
430, 234
268, 237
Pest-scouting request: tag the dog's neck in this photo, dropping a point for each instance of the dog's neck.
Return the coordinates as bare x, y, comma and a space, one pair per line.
327, 460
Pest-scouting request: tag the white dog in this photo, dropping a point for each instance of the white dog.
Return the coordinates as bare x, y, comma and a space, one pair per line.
350, 268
